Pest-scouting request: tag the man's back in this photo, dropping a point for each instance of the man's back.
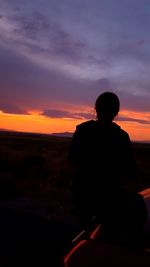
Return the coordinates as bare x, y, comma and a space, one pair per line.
101, 153
102, 156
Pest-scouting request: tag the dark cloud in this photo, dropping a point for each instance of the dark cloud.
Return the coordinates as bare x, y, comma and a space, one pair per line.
141, 121
56, 113
84, 115
12, 109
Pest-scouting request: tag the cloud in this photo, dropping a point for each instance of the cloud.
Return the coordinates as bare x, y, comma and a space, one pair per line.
28, 84
55, 113
135, 101
70, 51
40, 37
141, 121
12, 109
84, 115
73, 40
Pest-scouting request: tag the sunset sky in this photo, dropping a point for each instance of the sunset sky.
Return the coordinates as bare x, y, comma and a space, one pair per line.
57, 56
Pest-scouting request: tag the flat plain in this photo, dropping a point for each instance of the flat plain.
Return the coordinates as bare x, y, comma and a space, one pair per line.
35, 174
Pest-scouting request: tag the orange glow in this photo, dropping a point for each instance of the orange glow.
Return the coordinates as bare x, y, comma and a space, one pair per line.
34, 122
145, 193
136, 131
75, 248
95, 232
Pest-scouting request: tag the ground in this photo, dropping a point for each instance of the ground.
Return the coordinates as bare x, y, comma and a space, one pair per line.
35, 174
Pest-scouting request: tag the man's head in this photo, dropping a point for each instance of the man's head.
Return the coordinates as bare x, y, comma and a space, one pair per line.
107, 106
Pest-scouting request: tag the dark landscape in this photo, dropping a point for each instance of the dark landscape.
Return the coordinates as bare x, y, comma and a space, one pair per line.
36, 217
35, 174
35, 194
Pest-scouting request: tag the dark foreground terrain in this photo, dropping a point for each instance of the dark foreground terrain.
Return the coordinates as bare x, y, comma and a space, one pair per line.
34, 200
34, 170
27, 239
36, 213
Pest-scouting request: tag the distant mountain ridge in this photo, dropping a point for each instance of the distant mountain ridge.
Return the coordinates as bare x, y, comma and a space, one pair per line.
63, 134
6, 130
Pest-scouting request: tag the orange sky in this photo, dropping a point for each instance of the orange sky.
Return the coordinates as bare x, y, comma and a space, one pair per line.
40, 124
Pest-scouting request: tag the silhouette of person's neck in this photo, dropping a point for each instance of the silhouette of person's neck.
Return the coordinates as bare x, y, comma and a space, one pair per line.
104, 122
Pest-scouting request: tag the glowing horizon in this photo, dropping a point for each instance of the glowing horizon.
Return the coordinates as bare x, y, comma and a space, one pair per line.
36, 123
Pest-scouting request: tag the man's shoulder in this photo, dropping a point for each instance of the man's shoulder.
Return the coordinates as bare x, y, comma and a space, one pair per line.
121, 131
124, 134
86, 125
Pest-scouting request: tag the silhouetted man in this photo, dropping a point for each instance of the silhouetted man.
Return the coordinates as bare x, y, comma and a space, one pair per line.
101, 153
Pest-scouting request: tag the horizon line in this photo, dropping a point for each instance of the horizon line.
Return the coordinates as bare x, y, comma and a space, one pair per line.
59, 134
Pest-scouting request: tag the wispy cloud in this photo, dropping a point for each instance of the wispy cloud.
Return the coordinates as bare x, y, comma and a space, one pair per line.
56, 113
141, 121
12, 109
